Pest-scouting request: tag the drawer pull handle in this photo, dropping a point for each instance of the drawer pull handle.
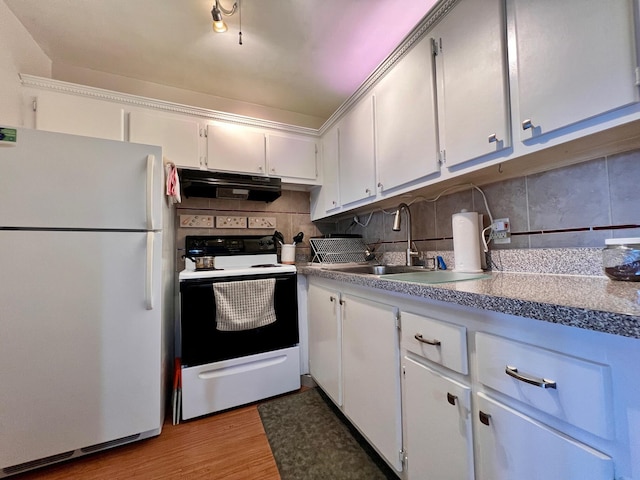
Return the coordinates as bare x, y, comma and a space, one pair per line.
451, 398
538, 382
418, 336
484, 418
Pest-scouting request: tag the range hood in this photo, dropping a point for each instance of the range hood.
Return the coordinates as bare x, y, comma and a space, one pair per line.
200, 183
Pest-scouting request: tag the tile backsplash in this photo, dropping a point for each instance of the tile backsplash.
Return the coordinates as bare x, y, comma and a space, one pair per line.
571, 207
291, 212
557, 212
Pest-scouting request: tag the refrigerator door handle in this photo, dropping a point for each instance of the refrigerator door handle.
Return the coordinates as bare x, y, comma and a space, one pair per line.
150, 162
148, 288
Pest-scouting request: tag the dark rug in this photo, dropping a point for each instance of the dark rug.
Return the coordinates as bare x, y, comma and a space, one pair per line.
311, 440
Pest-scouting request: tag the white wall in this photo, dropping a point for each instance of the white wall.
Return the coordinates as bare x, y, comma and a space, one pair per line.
19, 53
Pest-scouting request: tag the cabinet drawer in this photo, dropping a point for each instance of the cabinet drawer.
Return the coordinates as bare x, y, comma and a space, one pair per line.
439, 342
574, 390
513, 446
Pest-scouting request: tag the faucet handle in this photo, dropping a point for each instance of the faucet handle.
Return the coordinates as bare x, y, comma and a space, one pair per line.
430, 263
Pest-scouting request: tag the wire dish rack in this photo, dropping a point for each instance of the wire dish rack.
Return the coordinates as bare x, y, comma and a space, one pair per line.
338, 250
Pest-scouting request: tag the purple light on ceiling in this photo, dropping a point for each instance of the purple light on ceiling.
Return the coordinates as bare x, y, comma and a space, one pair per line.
345, 65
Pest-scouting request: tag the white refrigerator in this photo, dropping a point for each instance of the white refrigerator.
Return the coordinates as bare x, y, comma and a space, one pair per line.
81, 334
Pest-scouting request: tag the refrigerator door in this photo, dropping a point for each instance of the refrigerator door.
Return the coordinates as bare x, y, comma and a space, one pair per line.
80, 340
54, 180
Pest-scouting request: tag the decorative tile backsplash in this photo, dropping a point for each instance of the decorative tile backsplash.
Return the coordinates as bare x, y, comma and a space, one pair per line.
290, 212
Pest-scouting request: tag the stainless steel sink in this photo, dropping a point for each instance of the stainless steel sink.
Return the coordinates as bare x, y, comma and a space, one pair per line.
378, 269
403, 273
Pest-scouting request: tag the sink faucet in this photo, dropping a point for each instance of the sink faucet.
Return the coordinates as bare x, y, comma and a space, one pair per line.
396, 228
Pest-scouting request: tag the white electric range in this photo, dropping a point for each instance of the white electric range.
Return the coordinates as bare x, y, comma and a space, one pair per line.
224, 368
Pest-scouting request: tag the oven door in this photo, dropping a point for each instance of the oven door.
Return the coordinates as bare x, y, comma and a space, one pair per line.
203, 343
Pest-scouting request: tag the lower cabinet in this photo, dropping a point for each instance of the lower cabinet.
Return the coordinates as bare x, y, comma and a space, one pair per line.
437, 412
370, 368
354, 357
514, 446
323, 306
445, 392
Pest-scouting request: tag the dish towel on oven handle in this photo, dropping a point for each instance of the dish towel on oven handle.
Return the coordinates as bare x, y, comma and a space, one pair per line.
244, 305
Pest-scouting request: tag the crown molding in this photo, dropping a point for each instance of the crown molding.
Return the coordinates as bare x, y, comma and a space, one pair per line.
155, 104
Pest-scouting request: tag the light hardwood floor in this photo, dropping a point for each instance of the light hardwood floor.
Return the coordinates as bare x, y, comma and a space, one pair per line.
231, 445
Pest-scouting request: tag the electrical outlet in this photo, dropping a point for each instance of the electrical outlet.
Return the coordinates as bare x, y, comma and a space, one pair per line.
501, 231
196, 221
231, 222
262, 222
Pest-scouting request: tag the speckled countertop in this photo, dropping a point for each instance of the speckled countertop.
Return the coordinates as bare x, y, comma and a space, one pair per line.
590, 302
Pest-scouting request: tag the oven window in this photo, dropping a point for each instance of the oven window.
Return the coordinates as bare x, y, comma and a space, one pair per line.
202, 343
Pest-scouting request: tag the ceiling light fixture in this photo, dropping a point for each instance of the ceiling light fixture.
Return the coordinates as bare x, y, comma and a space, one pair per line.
219, 26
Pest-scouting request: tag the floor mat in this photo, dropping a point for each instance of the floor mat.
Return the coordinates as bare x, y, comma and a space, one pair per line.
310, 441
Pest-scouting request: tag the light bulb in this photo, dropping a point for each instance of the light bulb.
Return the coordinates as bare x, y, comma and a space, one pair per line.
219, 26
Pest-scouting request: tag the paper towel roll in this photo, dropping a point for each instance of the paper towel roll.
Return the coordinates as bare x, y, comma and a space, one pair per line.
466, 241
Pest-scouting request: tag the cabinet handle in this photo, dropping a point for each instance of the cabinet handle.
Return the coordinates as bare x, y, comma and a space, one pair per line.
367, 191
418, 336
538, 382
273, 170
484, 417
527, 124
493, 138
380, 185
451, 398
334, 203
333, 299
259, 168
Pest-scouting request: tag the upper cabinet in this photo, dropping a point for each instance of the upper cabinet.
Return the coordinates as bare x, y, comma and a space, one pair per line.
178, 137
330, 198
59, 112
575, 60
292, 156
243, 149
356, 152
236, 148
471, 66
190, 137
406, 137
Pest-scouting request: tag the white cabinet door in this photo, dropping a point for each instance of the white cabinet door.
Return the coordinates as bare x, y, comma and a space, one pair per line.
357, 168
438, 425
292, 156
325, 340
473, 109
330, 194
179, 138
575, 60
62, 113
235, 148
371, 374
513, 446
406, 138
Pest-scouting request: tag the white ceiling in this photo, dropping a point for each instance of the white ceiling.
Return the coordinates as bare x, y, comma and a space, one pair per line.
303, 56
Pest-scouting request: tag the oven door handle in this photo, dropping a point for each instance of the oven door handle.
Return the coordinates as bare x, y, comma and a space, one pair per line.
148, 286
